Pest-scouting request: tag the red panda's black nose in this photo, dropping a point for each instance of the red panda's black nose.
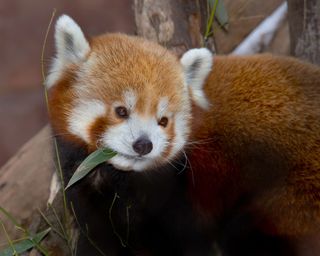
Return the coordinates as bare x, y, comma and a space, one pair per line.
142, 146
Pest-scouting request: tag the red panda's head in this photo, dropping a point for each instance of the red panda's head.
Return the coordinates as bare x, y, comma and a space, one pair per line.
124, 93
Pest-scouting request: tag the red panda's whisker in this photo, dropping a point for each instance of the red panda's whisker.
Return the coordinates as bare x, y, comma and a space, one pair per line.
186, 162
201, 142
131, 132
172, 162
169, 162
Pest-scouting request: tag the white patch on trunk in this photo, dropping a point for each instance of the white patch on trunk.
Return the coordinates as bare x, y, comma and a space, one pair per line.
55, 186
262, 35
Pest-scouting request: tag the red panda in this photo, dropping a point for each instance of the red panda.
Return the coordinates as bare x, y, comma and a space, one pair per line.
245, 131
256, 149
130, 95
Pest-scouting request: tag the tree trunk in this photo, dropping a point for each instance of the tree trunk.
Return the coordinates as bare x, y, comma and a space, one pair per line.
25, 181
177, 25
304, 22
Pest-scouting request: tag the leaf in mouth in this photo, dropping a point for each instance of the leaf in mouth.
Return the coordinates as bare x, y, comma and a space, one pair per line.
95, 158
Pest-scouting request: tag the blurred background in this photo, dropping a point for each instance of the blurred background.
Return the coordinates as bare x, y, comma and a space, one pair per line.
22, 30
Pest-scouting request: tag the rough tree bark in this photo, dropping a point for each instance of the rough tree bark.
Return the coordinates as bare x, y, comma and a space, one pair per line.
178, 25
304, 23
25, 181
304, 27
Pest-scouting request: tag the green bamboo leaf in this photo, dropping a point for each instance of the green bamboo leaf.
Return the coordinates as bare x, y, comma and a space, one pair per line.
97, 157
26, 244
221, 13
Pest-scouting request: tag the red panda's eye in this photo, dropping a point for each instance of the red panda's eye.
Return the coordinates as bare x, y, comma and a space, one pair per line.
163, 121
122, 112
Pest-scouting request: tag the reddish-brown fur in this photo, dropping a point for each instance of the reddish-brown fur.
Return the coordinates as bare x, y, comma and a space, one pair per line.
264, 108
60, 102
121, 63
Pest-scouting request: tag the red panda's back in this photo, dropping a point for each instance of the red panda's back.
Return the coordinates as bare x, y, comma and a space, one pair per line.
265, 97
265, 124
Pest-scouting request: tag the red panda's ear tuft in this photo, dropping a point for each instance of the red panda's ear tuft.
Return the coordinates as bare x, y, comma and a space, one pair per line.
197, 64
71, 47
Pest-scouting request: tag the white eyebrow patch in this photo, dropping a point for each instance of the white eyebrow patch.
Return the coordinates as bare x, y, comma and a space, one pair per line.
130, 99
162, 106
83, 115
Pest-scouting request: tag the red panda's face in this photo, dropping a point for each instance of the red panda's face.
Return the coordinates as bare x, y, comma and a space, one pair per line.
119, 92
135, 104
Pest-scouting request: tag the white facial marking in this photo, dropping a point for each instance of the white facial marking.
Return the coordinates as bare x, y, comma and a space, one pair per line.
197, 64
71, 47
162, 107
130, 99
124, 163
83, 115
181, 124
121, 138
181, 132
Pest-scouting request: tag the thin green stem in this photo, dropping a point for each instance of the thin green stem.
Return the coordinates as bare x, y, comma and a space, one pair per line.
58, 220
43, 51
111, 221
47, 103
25, 231
10, 217
211, 20
15, 253
128, 222
63, 229
85, 233
51, 225
39, 247
63, 225
61, 180
14, 241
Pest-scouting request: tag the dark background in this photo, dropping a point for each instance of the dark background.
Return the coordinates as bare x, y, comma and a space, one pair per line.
22, 30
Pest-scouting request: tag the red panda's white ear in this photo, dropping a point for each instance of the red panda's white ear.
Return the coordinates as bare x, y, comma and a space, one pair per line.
197, 64
71, 44
71, 47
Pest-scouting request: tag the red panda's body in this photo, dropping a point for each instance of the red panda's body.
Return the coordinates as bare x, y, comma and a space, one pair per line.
257, 147
253, 132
